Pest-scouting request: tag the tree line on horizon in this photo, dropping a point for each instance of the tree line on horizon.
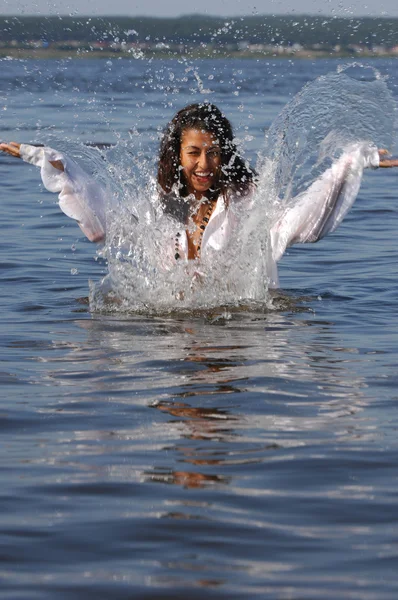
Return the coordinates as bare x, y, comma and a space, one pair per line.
308, 31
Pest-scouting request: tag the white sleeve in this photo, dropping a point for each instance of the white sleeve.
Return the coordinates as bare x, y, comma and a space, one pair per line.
80, 197
321, 208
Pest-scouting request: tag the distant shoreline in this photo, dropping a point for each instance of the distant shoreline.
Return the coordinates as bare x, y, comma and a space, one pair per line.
198, 37
48, 54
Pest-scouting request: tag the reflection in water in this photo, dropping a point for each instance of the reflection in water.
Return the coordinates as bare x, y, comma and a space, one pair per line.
187, 479
215, 424
239, 393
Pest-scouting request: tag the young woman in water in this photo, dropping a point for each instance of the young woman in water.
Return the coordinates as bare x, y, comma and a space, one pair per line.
201, 178
200, 172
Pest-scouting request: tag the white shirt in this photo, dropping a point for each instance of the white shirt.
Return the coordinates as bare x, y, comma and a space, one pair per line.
308, 217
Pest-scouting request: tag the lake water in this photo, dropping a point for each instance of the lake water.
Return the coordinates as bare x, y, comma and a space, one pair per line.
246, 453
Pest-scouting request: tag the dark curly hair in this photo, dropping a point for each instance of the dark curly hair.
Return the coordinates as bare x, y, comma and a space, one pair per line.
235, 173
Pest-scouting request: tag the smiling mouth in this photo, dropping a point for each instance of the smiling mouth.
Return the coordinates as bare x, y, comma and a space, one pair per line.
205, 175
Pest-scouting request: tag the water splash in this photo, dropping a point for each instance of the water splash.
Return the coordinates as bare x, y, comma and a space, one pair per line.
348, 105
143, 275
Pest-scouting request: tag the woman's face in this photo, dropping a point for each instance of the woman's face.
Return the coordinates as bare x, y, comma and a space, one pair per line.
200, 159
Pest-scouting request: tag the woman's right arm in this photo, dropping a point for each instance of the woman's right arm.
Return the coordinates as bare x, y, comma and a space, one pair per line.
80, 197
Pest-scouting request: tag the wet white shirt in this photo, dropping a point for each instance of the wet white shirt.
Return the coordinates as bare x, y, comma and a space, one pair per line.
308, 218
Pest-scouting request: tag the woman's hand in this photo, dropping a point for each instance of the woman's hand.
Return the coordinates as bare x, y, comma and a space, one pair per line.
12, 148
386, 163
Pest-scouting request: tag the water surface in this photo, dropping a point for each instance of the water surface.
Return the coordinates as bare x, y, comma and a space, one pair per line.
228, 454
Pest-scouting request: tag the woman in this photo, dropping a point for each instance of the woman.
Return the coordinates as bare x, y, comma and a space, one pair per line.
199, 160
201, 178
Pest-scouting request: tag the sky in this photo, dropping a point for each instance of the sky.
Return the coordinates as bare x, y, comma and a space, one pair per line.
227, 8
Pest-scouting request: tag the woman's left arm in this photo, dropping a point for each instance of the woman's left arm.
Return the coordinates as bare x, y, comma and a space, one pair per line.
321, 208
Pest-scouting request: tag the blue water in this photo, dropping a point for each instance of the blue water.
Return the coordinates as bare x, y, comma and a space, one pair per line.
232, 454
